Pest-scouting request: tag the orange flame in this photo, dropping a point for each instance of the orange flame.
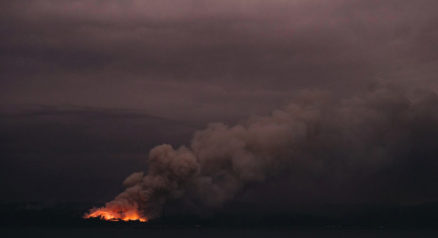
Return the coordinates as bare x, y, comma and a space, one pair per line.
115, 215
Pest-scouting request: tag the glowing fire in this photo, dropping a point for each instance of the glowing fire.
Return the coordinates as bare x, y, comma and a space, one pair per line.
115, 215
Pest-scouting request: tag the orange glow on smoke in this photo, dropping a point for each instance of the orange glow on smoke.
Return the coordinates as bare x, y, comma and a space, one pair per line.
114, 215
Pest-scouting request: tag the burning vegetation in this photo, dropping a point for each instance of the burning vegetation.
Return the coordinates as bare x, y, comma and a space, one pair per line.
116, 215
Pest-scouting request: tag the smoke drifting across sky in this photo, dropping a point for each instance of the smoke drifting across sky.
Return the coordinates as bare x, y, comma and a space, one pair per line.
88, 87
377, 147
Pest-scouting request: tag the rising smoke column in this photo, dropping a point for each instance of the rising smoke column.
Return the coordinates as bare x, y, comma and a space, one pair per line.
347, 142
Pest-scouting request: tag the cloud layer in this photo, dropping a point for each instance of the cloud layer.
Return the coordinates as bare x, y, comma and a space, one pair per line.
209, 60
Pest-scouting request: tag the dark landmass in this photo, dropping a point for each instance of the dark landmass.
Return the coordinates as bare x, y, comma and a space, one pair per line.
424, 216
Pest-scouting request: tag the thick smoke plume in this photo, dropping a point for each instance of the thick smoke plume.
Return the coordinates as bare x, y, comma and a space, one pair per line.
382, 143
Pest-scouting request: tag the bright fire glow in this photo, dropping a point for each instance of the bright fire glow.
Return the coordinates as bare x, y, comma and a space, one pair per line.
115, 215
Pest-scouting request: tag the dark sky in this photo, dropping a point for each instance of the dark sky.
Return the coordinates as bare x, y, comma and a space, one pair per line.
87, 87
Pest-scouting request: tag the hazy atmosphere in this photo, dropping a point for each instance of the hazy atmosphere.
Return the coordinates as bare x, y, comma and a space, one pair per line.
277, 104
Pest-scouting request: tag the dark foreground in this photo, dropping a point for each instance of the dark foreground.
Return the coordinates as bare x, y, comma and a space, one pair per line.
209, 232
65, 220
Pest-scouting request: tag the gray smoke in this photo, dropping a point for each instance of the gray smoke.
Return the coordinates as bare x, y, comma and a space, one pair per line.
375, 143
